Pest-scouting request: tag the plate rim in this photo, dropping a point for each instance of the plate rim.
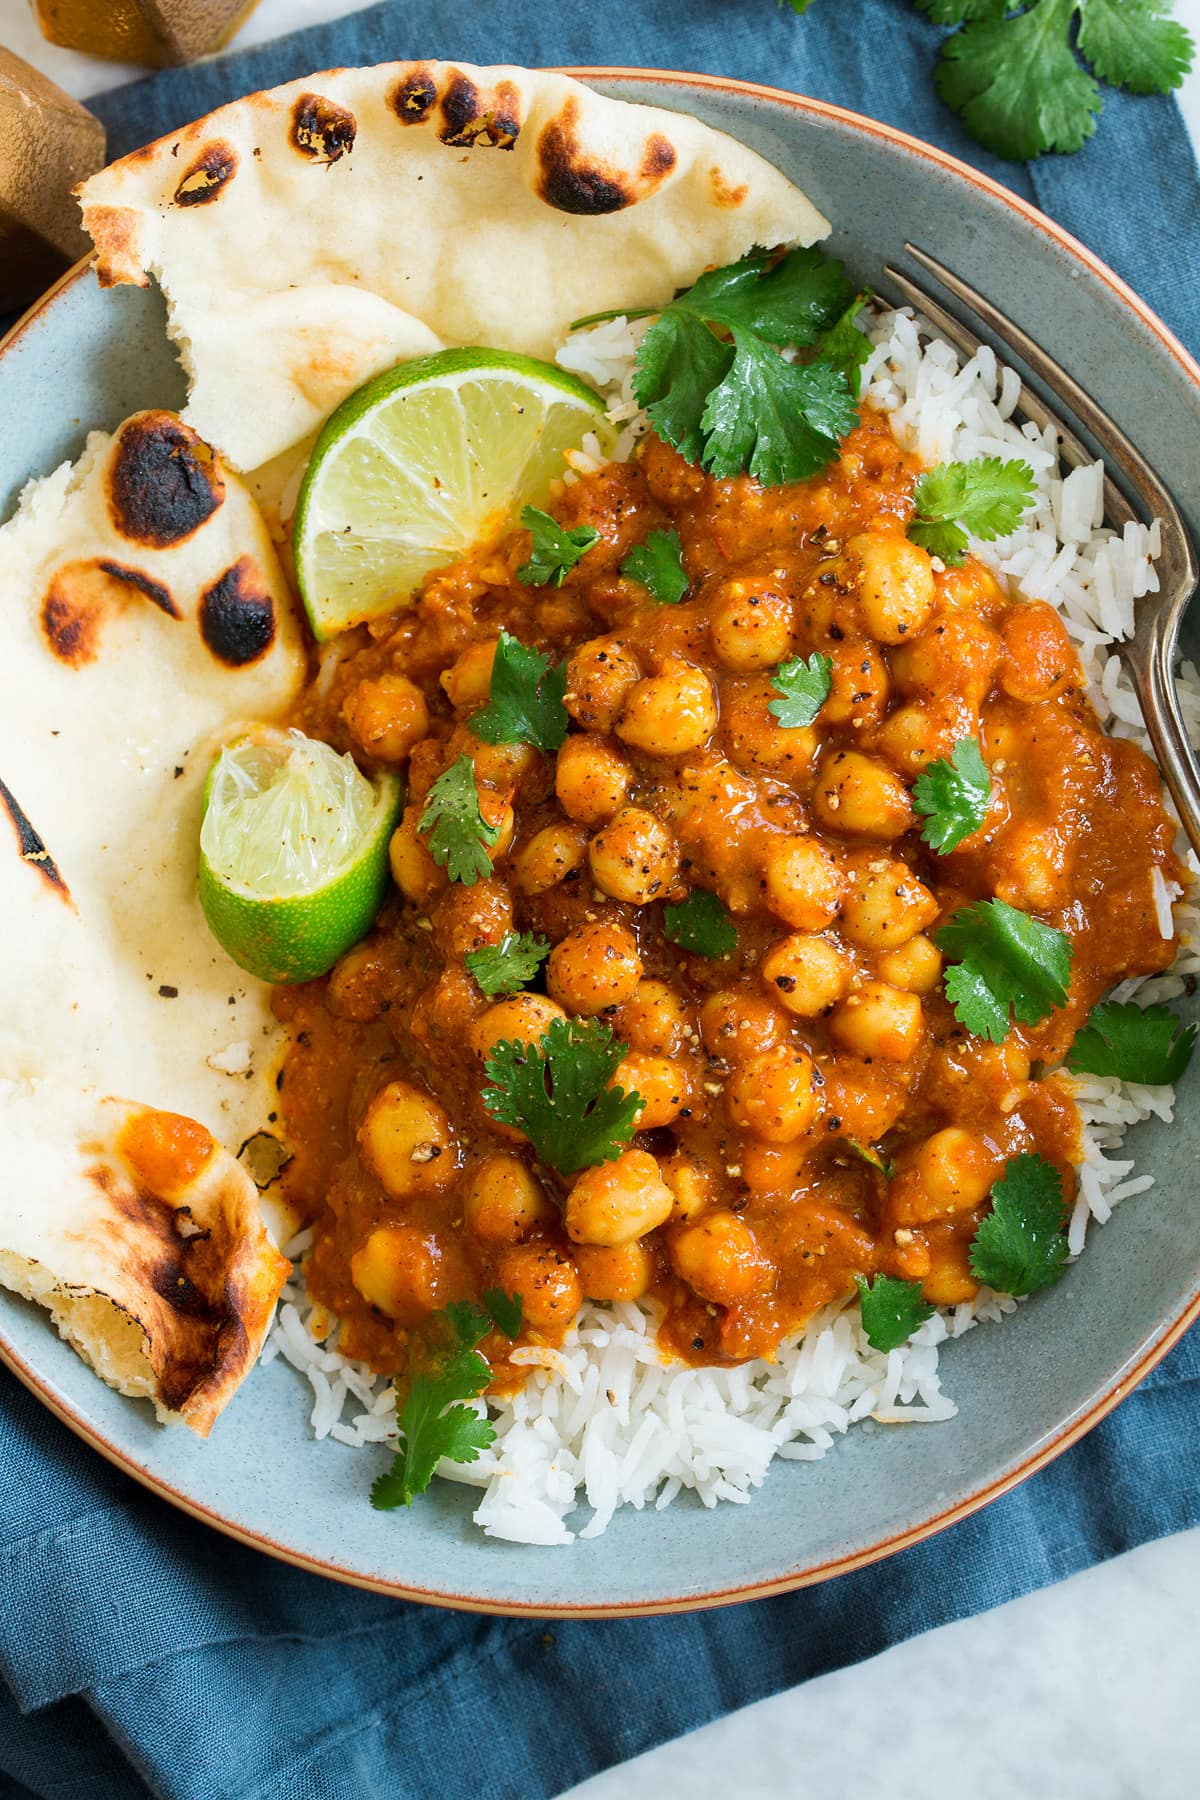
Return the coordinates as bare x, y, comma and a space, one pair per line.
1054, 1444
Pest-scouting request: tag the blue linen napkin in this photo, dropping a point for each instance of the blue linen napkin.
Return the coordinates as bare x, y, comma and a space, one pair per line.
140, 1653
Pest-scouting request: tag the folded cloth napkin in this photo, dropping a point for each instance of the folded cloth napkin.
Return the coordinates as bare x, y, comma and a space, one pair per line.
140, 1652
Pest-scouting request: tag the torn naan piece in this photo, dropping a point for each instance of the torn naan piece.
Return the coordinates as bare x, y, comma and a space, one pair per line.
309, 236
142, 1238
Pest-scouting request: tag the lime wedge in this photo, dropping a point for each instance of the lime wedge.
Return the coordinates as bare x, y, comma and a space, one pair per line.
293, 852
426, 460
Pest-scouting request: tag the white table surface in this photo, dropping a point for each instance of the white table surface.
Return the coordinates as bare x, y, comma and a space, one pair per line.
1085, 1691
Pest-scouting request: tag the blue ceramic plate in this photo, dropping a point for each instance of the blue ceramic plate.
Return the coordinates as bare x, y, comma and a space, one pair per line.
84, 359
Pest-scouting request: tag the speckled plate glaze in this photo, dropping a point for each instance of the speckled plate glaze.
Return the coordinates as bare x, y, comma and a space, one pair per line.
83, 359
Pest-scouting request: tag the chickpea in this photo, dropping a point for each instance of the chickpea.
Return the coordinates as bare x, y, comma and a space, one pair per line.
690, 1184
915, 966
1032, 866
614, 1271
774, 1168
886, 905
357, 984
951, 1172
857, 795
864, 1098
592, 778
396, 1271
807, 973
502, 1201
803, 882
878, 1020
663, 1084
669, 714
496, 765
635, 857
859, 685
737, 1022
547, 1282
1039, 659
956, 654
755, 740
548, 857
751, 622
464, 918
912, 736
413, 869
446, 1011
467, 682
594, 967
496, 812
720, 1258
618, 1201
599, 676
517, 1019
949, 1280
773, 1095
408, 1141
896, 589
386, 717
655, 1019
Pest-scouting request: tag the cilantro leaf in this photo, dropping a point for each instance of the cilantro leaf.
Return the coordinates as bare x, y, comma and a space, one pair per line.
525, 699
1020, 1246
777, 421
891, 1310
874, 1158
803, 688
844, 346
678, 364
658, 565
700, 923
1016, 82
1131, 44
555, 548
504, 1310
1004, 961
557, 1093
954, 796
433, 1423
956, 12
790, 302
459, 835
504, 967
986, 497
1148, 1045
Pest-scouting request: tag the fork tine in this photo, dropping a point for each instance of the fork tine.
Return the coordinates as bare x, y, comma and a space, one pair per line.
1116, 505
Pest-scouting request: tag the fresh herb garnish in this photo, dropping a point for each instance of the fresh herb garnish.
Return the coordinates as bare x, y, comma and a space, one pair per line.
525, 698
1003, 960
433, 1419
658, 565
953, 795
700, 923
459, 835
733, 403
504, 967
891, 1310
555, 548
986, 497
1020, 1247
803, 688
1148, 1045
844, 346
504, 1310
557, 1093
874, 1158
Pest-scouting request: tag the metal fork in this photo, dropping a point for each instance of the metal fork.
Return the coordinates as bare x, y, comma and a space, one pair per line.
1150, 654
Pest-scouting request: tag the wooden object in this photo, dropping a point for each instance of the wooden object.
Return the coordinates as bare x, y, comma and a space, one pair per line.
48, 142
142, 31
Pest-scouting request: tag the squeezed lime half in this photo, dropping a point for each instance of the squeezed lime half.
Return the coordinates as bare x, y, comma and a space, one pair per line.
421, 463
293, 852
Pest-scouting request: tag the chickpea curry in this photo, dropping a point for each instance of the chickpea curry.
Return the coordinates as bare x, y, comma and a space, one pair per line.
810, 1108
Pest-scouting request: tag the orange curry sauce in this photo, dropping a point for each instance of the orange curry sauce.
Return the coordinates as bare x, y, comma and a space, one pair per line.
826, 1031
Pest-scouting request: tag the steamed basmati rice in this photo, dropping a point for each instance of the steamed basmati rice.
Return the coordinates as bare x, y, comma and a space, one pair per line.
603, 1422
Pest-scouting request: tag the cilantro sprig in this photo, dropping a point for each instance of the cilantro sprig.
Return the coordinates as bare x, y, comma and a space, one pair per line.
953, 794
802, 687
434, 1421
1005, 963
985, 498
504, 967
554, 550
700, 923
1020, 1247
525, 698
459, 835
1148, 1045
891, 1310
658, 565
557, 1093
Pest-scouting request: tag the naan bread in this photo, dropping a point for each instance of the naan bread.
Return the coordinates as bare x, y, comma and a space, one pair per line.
142, 1238
309, 236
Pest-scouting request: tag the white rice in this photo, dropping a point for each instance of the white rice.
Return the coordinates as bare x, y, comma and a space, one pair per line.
603, 1422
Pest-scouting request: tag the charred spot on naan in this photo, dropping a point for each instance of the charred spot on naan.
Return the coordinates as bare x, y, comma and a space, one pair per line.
321, 129
414, 96
237, 615
471, 120
164, 481
80, 597
574, 182
723, 192
208, 175
30, 847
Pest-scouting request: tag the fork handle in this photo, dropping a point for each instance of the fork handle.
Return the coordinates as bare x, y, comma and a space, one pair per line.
1151, 662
